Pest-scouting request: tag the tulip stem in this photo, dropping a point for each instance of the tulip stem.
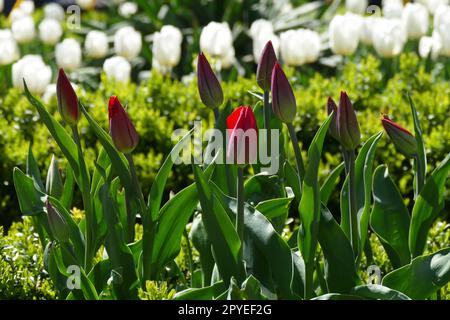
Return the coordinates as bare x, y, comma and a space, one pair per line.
297, 152
138, 189
349, 158
240, 211
85, 194
267, 121
190, 257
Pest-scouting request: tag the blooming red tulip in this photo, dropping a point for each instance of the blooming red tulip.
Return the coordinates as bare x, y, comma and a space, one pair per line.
242, 136
121, 128
58, 225
208, 86
403, 140
265, 66
332, 107
67, 99
283, 99
347, 124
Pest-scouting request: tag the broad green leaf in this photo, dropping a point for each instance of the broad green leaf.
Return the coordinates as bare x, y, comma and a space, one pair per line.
69, 188
123, 271
330, 183
363, 183
340, 271
224, 238
298, 282
158, 186
273, 208
292, 180
309, 207
30, 199
337, 296
269, 243
206, 293
33, 170
378, 292
390, 217
427, 207
422, 277
202, 243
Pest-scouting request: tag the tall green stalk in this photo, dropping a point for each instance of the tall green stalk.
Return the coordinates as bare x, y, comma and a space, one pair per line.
267, 121
240, 211
297, 152
349, 159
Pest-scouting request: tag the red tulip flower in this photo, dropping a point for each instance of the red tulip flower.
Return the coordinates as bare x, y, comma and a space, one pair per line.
67, 99
243, 136
121, 128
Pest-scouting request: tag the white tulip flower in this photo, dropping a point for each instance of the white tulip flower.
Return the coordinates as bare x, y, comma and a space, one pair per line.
128, 9
216, 39
390, 37
9, 51
127, 42
356, 6
27, 7
96, 44
167, 46
432, 5
442, 27
33, 70
344, 32
415, 17
23, 29
300, 46
54, 11
260, 27
68, 54
392, 8
2, 4
430, 45
261, 40
228, 60
86, 4
49, 93
117, 69
50, 31
368, 28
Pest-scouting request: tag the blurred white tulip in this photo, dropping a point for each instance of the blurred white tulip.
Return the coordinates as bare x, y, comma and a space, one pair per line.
9, 51
344, 32
127, 42
299, 46
356, 6
50, 31
68, 54
390, 37
127, 9
442, 27
432, 5
49, 93
260, 41
54, 11
36, 74
96, 44
27, 7
260, 27
430, 45
216, 39
1, 5
117, 69
86, 4
392, 8
368, 28
415, 17
23, 29
228, 60
167, 46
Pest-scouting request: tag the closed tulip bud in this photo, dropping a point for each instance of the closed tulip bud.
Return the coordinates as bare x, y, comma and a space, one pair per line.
67, 99
208, 86
242, 136
121, 128
54, 184
403, 140
58, 225
332, 107
347, 124
284, 105
265, 66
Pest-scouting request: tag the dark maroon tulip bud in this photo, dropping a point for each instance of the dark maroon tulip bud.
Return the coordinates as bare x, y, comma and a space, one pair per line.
121, 128
403, 140
265, 66
347, 124
243, 136
58, 225
67, 99
332, 107
284, 105
208, 86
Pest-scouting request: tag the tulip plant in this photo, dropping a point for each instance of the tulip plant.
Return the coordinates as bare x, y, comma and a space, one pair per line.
238, 210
